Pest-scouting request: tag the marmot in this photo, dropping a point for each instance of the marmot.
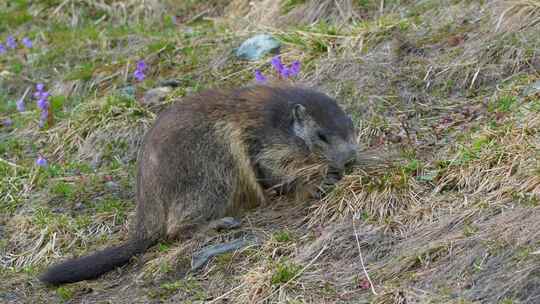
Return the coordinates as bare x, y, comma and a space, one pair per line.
214, 154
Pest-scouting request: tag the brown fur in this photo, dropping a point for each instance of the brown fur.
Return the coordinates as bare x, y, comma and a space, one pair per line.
215, 155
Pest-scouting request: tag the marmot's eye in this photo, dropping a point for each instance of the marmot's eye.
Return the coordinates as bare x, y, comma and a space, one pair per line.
322, 137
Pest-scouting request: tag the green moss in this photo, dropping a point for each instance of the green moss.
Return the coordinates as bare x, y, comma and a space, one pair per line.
112, 205
15, 18
63, 189
282, 236
83, 72
162, 247
224, 260
284, 272
65, 293
43, 217
503, 104
12, 181
469, 230
189, 287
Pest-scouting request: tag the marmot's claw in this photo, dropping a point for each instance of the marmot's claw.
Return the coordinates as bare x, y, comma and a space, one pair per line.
225, 223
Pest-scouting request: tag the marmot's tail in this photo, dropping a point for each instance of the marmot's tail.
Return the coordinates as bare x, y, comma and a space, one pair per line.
91, 266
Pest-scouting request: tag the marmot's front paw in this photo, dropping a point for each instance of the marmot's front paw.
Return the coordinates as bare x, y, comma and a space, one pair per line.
328, 185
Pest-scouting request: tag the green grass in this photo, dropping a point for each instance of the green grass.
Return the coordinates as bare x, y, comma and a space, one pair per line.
284, 272
65, 293
283, 236
188, 286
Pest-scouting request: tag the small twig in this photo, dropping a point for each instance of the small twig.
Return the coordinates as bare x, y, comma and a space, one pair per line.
474, 78
9, 163
362, 259
405, 127
26, 92
58, 8
501, 17
199, 15
227, 293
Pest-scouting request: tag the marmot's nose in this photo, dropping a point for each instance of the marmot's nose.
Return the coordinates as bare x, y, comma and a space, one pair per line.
347, 157
352, 155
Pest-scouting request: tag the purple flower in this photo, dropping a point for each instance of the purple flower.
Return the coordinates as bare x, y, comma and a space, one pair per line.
139, 72
278, 66
141, 66
139, 75
40, 161
10, 42
284, 71
259, 77
27, 42
43, 104
7, 122
42, 96
2, 49
294, 68
20, 105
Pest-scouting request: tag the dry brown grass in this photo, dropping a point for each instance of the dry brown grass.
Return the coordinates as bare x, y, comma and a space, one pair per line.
118, 12
501, 166
277, 14
518, 15
34, 244
378, 194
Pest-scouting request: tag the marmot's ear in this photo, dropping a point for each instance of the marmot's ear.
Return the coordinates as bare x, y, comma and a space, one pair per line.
299, 113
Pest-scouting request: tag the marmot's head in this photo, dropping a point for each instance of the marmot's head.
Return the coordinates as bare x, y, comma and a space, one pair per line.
317, 124
325, 130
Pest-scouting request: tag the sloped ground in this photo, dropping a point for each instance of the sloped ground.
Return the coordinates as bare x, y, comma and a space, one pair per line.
443, 209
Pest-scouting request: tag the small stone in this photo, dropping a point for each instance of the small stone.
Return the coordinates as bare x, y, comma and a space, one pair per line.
189, 31
96, 161
532, 89
63, 88
78, 206
155, 96
128, 91
58, 210
112, 185
257, 46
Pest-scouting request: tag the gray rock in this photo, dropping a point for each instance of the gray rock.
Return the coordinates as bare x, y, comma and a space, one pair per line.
112, 185
257, 46
532, 89
58, 210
